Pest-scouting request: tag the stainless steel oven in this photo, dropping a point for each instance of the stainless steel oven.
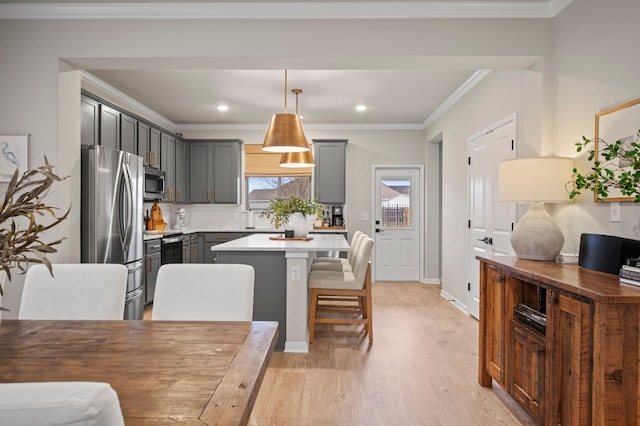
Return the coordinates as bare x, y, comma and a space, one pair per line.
171, 249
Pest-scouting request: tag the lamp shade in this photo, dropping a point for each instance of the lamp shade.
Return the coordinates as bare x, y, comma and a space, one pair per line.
297, 159
285, 134
535, 179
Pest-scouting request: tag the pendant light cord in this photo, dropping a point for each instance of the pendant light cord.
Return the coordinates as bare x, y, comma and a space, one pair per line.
285, 91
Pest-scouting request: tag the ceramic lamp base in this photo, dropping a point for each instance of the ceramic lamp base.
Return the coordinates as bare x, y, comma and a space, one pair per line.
536, 236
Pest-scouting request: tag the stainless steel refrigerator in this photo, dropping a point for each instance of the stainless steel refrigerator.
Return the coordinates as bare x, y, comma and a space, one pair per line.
112, 217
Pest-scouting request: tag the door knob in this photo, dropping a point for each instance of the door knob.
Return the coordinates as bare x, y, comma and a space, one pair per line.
487, 240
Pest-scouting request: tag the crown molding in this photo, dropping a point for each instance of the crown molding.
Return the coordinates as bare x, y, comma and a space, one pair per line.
124, 100
459, 93
335, 126
286, 10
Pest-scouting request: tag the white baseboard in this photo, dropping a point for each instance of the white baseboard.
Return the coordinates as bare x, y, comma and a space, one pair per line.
454, 301
431, 281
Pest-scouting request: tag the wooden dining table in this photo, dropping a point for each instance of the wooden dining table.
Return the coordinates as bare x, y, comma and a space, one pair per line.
164, 372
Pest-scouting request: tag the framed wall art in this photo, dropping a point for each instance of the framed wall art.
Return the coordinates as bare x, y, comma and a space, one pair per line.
14, 154
620, 122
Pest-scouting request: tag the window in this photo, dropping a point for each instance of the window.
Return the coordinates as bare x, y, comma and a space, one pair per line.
262, 189
266, 181
396, 203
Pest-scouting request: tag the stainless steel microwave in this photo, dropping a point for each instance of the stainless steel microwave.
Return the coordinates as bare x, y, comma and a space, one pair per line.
154, 184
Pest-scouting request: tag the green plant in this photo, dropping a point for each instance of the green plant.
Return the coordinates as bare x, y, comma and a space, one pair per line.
23, 202
280, 209
617, 166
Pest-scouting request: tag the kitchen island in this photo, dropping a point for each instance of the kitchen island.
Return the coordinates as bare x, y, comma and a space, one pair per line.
281, 286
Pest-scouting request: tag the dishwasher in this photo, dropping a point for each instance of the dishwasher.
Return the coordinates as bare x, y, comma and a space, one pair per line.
171, 248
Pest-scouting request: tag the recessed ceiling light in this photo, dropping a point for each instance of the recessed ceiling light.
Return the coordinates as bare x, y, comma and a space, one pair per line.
361, 108
222, 108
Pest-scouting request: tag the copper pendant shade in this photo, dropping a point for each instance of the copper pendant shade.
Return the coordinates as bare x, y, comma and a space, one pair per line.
297, 159
285, 132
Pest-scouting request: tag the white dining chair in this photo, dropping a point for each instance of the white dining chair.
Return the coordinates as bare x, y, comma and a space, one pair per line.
76, 291
59, 403
204, 292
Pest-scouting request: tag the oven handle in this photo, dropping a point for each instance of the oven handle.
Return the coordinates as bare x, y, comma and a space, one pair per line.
171, 240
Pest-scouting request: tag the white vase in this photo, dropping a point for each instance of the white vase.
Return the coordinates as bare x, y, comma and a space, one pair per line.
299, 224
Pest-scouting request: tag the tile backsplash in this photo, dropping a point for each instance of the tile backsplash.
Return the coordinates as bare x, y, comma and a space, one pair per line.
211, 216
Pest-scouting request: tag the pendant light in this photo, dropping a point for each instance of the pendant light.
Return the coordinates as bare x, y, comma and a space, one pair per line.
285, 133
297, 159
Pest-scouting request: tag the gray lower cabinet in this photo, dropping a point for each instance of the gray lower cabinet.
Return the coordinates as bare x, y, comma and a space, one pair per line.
186, 249
270, 286
152, 259
211, 239
214, 171
196, 256
330, 171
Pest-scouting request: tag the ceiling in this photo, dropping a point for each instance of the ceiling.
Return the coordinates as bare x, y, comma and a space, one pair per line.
398, 97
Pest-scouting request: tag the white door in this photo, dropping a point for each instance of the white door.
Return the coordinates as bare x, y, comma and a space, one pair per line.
490, 221
397, 223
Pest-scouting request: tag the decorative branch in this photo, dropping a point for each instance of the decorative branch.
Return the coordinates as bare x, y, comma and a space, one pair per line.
24, 200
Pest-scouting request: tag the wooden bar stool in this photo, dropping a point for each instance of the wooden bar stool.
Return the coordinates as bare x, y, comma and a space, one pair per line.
343, 297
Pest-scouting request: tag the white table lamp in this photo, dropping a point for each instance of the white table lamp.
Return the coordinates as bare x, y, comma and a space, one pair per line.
536, 181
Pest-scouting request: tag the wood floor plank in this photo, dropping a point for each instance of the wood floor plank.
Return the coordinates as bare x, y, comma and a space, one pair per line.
421, 370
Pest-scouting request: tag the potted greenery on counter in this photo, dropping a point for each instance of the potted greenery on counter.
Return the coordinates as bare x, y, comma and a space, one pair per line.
282, 211
617, 167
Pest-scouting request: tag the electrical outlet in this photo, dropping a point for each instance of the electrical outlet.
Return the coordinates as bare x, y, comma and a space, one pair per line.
295, 273
614, 211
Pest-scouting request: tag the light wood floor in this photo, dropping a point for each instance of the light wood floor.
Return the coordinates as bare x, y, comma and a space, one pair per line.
420, 370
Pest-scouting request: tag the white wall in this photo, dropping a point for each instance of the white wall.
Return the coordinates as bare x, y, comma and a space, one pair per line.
34, 52
597, 59
500, 94
593, 66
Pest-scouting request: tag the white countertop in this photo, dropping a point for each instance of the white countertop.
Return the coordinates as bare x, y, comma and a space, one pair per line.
261, 242
151, 235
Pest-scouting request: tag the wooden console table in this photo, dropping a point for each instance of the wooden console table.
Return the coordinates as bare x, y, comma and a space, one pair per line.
582, 368
165, 372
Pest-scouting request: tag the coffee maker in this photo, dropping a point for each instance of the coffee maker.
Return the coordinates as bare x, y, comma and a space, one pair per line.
337, 218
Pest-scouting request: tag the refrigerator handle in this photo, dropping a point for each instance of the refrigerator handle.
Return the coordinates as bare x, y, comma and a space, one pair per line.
127, 204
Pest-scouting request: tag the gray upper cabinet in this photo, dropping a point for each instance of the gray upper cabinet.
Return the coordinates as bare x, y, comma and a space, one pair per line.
168, 164
214, 171
181, 171
200, 176
329, 173
149, 144
144, 135
128, 134
154, 148
226, 172
109, 127
89, 121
